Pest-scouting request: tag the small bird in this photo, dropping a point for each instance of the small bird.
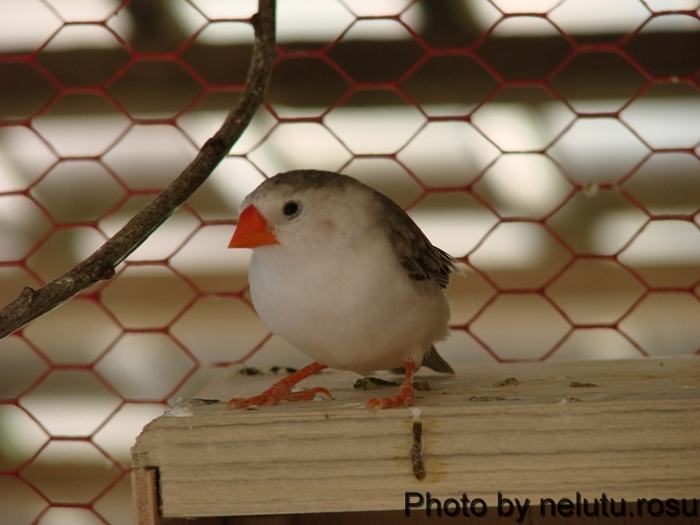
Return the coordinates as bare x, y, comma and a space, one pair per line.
342, 273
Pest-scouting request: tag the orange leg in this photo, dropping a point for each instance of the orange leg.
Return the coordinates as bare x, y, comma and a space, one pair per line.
404, 397
281, 390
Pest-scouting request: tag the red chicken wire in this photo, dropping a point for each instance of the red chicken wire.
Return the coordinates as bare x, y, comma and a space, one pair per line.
552, 146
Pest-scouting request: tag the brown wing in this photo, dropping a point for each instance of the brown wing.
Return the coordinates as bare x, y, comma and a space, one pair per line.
421, 260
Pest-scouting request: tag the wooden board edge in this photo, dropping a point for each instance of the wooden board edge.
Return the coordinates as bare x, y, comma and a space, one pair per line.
144, 496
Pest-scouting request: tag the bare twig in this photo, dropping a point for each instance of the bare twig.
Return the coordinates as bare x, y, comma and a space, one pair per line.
101, 264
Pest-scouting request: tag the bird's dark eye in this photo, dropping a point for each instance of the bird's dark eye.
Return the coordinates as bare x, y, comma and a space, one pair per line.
291, 209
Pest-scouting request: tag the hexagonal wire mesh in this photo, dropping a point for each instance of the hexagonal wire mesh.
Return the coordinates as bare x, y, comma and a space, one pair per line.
551, 145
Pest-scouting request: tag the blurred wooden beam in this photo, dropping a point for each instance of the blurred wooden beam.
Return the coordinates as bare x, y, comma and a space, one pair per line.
290, 84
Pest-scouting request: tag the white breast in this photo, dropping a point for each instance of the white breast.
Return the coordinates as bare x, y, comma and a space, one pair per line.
348, 309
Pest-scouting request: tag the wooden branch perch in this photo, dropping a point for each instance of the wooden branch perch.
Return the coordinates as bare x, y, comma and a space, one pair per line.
101, 264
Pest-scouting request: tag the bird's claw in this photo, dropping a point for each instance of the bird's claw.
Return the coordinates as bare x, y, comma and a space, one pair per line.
404, 397
273, 396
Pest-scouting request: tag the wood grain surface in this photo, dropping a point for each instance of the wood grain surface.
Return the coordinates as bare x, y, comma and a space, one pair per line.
629, 429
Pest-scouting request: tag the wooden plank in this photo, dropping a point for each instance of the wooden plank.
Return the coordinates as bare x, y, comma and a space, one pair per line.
532, 517
144, 495
629, 429
144, 492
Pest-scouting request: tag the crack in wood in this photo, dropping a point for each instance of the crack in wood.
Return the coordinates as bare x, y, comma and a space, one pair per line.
417, 451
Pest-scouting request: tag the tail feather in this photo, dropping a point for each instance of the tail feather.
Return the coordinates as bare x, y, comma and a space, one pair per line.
432, 360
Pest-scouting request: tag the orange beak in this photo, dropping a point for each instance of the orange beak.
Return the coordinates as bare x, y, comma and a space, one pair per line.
252, 230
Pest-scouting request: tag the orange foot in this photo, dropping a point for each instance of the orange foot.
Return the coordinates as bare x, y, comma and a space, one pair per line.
404, 397
273, 396
281, 390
